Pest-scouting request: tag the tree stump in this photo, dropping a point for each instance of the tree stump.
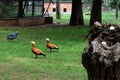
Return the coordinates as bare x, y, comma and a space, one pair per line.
101, 57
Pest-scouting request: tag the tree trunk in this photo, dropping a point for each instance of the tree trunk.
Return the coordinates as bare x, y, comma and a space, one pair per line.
96, 11
77, 14
101, 57
33, 8
117, 8
20, 8
58, 14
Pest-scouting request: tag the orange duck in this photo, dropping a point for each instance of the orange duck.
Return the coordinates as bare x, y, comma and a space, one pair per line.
50, 45
36, 51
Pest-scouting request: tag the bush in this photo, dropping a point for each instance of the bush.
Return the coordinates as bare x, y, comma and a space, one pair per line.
8, 10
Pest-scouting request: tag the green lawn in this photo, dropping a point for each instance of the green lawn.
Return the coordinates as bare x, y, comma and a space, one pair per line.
17, 61
108, 17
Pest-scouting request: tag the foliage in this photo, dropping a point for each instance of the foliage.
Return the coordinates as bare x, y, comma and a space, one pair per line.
8, 10
88, 1
112, 3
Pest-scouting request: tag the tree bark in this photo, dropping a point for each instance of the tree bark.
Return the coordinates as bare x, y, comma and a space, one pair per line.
33, 7
20, 8
101, 57
117, 8
58, 14
77, 14
96, 11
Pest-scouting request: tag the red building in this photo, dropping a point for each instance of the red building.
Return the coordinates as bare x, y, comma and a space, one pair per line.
65, 7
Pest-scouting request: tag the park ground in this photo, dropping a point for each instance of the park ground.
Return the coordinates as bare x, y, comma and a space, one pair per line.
17, 62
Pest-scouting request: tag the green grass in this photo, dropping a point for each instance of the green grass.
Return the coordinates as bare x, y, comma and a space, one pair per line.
17, 61
108, 17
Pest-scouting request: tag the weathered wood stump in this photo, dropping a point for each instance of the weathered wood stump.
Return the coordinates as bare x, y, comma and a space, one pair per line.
101, 57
